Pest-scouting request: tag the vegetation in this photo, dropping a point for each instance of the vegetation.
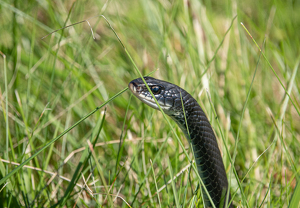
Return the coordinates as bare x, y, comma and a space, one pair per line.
120, 152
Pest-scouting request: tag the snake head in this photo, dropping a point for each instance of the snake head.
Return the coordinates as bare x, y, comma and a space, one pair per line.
167, 94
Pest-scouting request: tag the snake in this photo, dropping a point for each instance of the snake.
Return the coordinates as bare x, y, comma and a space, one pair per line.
189, 116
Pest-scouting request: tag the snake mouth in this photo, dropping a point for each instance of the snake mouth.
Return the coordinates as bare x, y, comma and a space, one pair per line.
132, 87
135, 89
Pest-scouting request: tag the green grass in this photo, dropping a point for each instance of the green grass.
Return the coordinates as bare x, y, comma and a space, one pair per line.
54, 92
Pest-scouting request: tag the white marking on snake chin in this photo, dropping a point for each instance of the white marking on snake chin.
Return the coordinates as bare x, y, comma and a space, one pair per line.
168, 105
150, 101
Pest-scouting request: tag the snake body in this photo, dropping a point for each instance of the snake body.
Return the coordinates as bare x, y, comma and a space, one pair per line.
198, 131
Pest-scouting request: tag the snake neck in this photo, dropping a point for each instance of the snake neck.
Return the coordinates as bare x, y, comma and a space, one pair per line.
190, 120
197, 129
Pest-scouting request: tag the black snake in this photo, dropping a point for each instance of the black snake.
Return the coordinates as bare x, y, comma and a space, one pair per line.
199, 132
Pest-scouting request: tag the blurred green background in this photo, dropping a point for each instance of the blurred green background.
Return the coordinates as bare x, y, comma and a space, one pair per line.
52, 83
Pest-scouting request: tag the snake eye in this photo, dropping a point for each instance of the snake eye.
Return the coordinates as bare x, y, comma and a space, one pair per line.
155, 89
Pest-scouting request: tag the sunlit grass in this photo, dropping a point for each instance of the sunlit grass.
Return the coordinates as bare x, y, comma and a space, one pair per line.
53, 124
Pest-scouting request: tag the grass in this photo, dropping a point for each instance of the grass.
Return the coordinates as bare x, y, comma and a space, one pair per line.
84, 141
